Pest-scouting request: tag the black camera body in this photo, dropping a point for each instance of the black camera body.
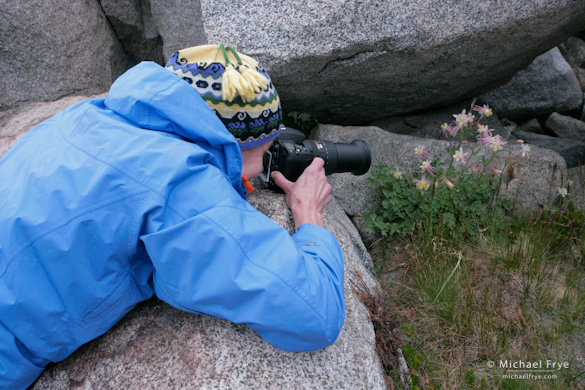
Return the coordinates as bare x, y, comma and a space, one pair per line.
292, 153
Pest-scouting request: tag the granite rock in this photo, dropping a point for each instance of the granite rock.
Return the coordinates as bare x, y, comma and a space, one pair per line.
566, 127
135, 29
181, 24
355, 61
571, 151
351, 62
573, 49
532, 126
51, 49
428, 124
548, 85
15, 125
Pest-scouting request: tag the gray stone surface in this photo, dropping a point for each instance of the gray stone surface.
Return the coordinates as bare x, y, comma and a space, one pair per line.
571, 151
355, 61
573, 49
566, 127
51, 49
181, 25
529, 179
427, 124
159, 347
14, 126
580, 73
548, 85
577, 188
346, 62
532, 126
135, 29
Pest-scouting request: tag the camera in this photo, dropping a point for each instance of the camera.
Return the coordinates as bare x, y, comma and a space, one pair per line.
292, 153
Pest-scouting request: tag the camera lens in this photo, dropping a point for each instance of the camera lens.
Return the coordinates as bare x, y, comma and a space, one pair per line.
354, 157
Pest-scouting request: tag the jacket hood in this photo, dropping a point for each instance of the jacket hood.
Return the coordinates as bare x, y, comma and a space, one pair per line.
155, 99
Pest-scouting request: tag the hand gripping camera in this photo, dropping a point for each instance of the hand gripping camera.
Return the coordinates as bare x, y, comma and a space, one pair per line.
292, 153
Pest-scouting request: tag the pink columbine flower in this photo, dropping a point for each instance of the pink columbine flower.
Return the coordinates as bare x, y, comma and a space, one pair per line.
495, 142
463, 119
483, 110
448, 182
451, 129
423, 183
473, 168
485, 139
422, 152
459, 156
496, 171
426, 166
482, 129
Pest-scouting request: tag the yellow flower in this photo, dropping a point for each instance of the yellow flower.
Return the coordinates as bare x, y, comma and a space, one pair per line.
423, 183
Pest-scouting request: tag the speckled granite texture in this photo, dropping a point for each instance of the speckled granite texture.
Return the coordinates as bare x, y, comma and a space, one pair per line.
354, 61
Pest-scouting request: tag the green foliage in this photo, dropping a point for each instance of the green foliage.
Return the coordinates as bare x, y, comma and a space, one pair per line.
459, 201
469, 378
413, 360
301, 121
464, 210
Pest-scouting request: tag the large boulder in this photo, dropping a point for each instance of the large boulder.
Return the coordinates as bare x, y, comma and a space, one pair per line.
52, 48
132, 21
181, 24
573, 49
355, 61
159, 347
548, 85
350, 62
566, 127
15, 125
571, 151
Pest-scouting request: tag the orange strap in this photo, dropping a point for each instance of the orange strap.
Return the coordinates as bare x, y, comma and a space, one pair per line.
249, 187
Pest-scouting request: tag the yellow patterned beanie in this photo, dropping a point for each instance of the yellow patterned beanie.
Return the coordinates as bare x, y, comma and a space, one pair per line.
235, 87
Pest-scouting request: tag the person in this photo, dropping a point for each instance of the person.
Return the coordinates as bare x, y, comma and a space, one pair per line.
144, 192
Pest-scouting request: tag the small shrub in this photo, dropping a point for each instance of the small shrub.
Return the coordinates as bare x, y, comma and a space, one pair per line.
458, 200
301, 121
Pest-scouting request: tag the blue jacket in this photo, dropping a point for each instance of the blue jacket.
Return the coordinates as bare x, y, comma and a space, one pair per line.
115, 199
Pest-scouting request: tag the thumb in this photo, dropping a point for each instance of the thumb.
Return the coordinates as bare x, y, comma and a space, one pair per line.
281, 181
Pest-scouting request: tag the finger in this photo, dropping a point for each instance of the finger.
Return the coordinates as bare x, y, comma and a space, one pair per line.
315, 168
326, 193
281, 181
317, 163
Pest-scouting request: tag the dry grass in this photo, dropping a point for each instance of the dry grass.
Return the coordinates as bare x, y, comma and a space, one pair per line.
506, 298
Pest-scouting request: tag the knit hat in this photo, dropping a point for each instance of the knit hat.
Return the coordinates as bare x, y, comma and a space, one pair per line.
235, 87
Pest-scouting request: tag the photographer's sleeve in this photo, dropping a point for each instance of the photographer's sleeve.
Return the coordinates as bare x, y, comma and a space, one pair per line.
234, 263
